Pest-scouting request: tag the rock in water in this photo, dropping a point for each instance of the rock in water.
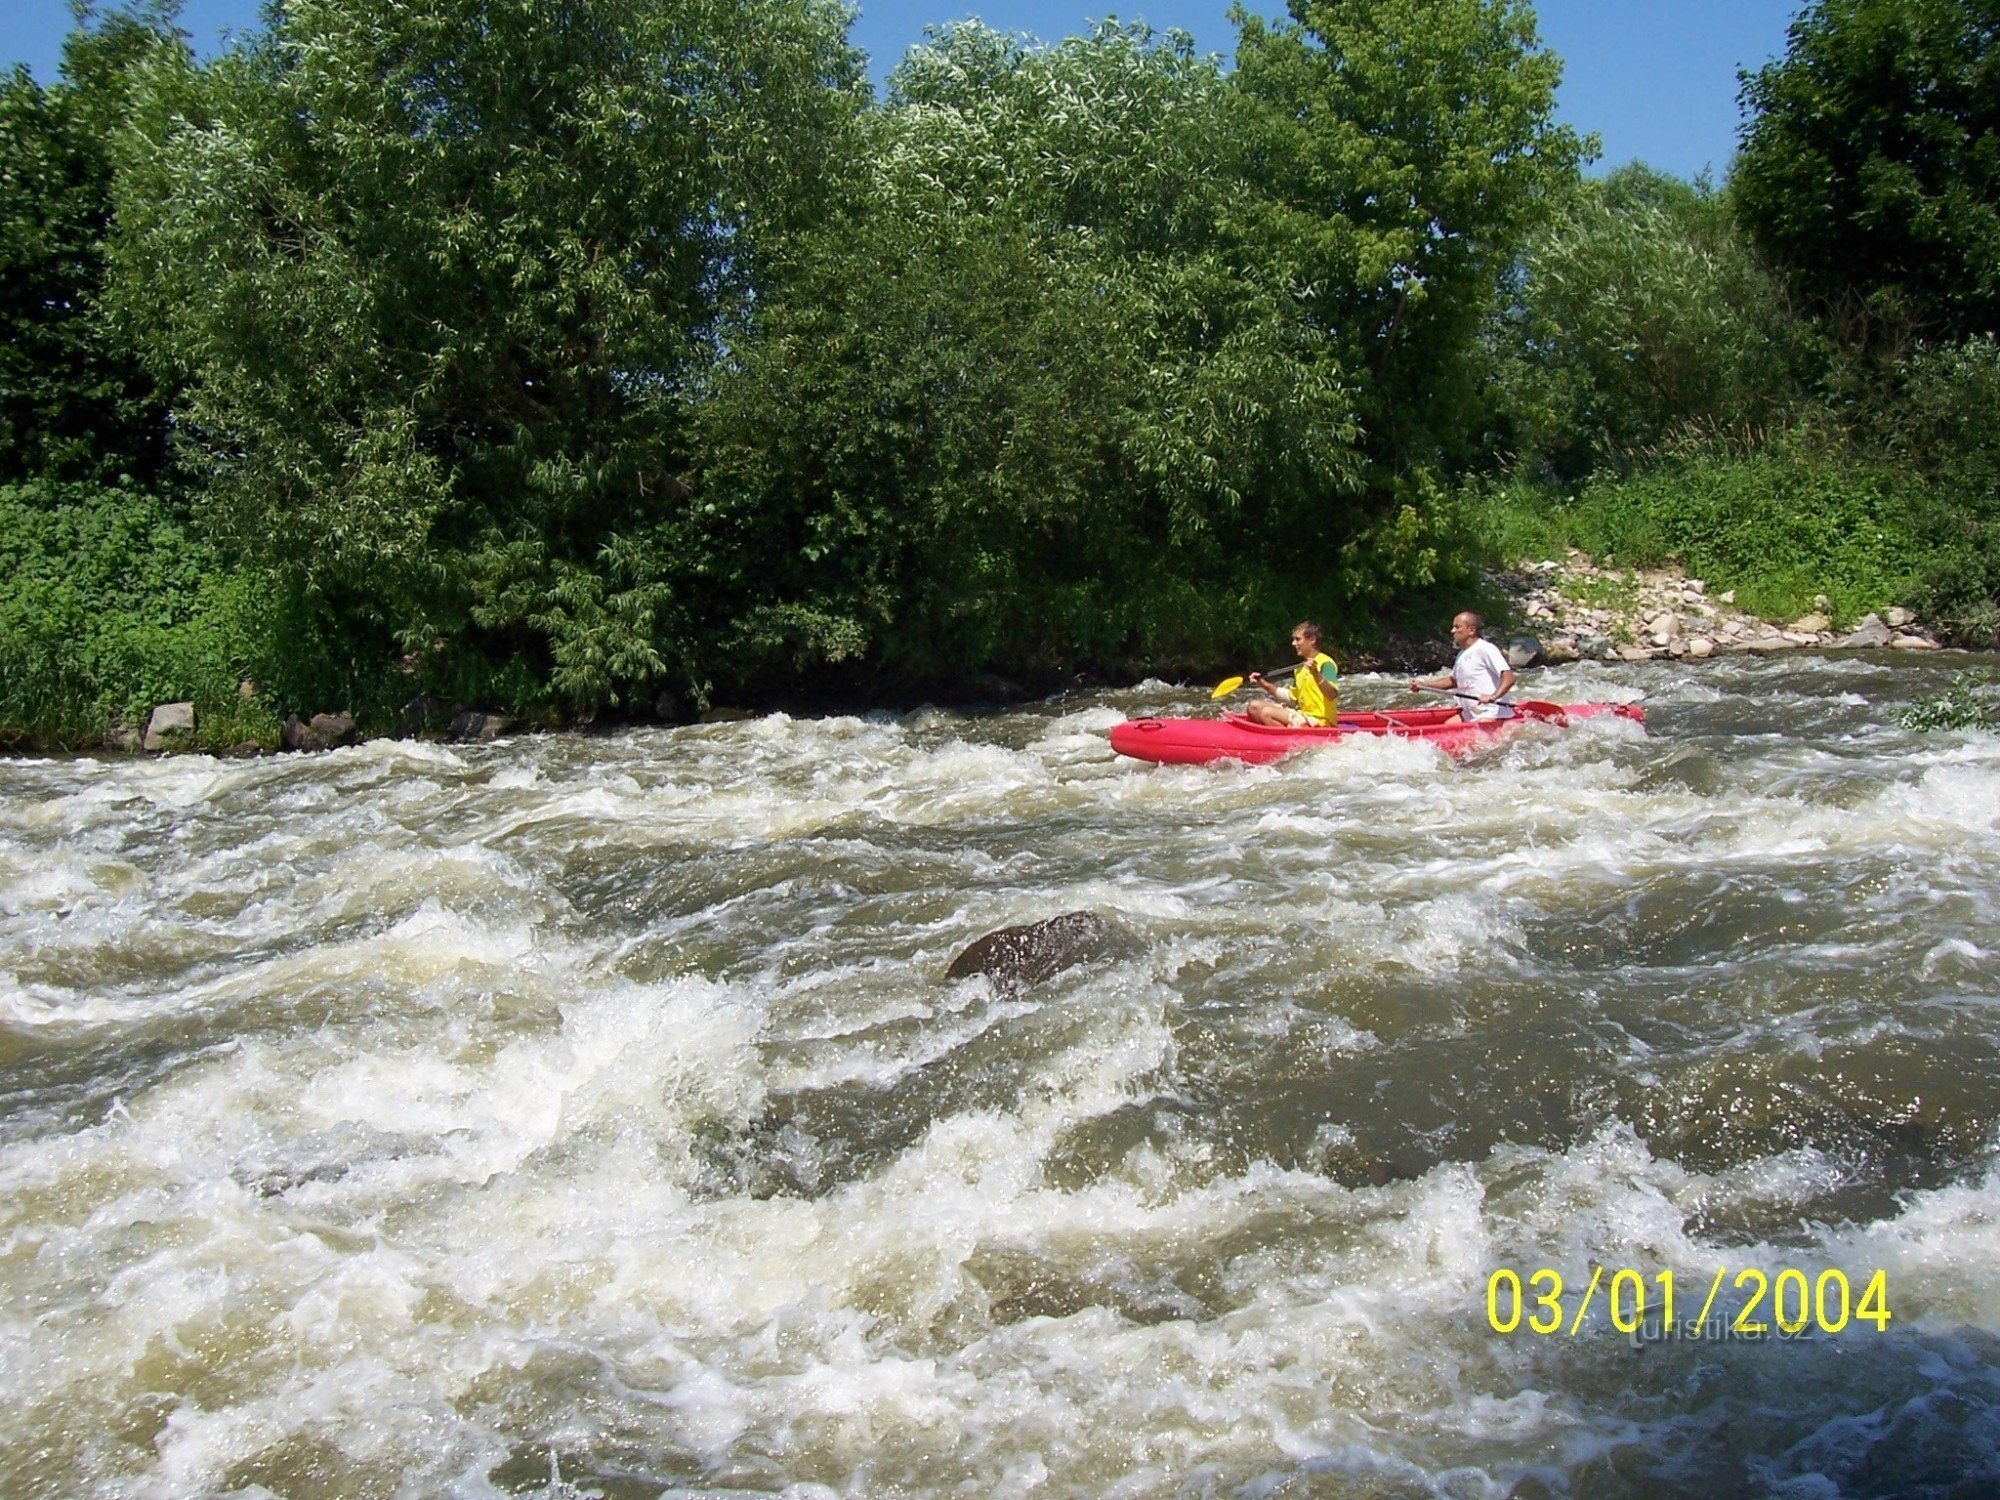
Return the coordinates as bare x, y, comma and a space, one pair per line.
473, 725
320, 732
1016, 957
1871, 632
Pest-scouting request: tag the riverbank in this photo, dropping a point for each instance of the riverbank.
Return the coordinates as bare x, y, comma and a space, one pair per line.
1576, 609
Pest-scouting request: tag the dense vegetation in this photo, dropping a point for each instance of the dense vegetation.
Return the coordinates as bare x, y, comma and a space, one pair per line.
620, 355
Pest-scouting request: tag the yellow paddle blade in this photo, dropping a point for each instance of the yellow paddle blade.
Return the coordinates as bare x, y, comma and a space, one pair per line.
1225, 687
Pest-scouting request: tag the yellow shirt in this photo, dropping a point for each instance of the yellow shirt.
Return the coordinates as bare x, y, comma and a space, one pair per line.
1320, 707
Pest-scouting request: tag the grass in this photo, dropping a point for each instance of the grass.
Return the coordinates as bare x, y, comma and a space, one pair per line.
1778, 530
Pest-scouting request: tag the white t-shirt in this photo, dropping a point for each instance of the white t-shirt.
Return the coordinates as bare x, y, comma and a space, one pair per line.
1478, 671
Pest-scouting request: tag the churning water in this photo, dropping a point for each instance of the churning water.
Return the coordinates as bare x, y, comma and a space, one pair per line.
591, 1114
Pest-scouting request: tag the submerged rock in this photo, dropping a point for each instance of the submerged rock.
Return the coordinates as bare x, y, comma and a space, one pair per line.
473, 725
1016, 957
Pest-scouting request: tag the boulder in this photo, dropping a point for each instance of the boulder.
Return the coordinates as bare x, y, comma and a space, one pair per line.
1560, 651
1016, 957
475, 725
244, 750
170, 722
1811, 624
1523, 651
426, 712
1701, 648
1869, 634
1727, 596
320, 732
1634, 653
1913, 643
1898, 616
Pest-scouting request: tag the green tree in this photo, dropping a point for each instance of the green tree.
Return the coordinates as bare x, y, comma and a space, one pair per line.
1641, 316
76, 401
1870, 167
1405, 150
1028, 403
444, 281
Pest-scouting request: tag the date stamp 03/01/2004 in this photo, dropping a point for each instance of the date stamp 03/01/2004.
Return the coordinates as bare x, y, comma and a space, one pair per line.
1791, 1305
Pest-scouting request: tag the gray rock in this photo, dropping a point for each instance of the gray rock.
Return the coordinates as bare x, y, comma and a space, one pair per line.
1913, 643
475, 725
123, 737
244, 750
1898, 616
1017, 957
1811, 624
426, 712
170, 722
1560, 651
1869, 634
1634, 653
1523, 651
320, 732
1595, 647
1701, 648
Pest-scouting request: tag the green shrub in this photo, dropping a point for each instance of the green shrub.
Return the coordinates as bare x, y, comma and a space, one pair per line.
1958, 707
1778, 529
109, 606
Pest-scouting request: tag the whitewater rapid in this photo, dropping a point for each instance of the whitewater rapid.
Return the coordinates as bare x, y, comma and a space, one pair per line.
590, 1114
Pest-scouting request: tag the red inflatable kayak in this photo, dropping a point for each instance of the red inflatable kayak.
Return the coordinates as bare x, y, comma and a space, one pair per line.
1194, 742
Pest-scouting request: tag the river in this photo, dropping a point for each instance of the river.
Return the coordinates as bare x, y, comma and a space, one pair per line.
589, 1114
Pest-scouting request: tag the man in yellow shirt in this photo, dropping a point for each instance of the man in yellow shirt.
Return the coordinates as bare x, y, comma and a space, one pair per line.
1314, 697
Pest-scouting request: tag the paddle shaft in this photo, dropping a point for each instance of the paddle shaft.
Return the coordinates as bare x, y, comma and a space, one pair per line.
1229, 685
1474, 697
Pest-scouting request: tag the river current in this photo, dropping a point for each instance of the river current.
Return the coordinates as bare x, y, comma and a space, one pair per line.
590, 1114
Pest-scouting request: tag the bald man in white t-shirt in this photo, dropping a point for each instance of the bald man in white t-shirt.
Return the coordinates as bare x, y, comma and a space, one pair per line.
1480, 676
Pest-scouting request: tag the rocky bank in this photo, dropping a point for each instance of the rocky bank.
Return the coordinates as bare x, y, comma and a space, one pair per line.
1573, 608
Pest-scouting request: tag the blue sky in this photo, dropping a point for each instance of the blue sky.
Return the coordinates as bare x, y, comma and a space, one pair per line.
1655, 78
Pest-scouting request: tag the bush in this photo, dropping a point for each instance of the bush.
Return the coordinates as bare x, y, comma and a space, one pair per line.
109, 606
1778, 529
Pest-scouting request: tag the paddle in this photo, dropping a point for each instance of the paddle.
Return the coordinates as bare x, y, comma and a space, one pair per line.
1455, 693
1229, 685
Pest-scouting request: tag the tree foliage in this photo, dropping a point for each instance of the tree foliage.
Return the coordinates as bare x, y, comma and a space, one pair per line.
1405, 149
76, 401
1026, 399
1641, 316
1870, 167
444, 280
